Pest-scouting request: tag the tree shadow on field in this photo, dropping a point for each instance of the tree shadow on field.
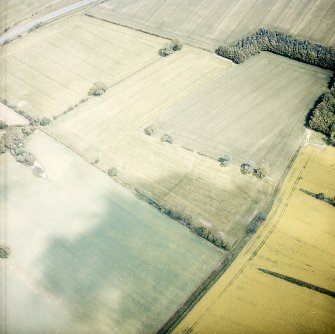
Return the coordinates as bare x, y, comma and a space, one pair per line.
114, 277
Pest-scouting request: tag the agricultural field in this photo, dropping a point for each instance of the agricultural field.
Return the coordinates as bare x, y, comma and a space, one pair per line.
207, 23
297, 241
86, 254
15, 11
110, 129
52, 68
10, 117
256, 111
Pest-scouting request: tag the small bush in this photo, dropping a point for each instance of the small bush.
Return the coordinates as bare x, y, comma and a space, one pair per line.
225, 159
97, 89
263, 170
2, 147
4, 252
176, 45
44, 121
166, 138
320, 196
150, 130
112, 172
3, 125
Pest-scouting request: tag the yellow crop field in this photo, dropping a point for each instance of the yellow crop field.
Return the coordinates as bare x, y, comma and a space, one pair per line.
53, 67
110, 128
296, 242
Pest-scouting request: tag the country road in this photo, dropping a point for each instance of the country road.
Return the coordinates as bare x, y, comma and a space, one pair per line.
17, 31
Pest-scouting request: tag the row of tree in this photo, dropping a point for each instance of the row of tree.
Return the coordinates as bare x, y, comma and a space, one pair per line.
323, 115
279, 43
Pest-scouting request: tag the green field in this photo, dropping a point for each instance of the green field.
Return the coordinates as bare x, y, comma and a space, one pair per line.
53, 67
86, 255
207, 23
255, 111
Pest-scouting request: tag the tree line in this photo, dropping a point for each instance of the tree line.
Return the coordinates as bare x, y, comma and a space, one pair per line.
279, 43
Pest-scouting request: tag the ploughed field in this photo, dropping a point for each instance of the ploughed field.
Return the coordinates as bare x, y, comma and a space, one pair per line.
207, 23
86, 254
296, 243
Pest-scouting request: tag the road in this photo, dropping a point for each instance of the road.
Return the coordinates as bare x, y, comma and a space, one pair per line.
17, 31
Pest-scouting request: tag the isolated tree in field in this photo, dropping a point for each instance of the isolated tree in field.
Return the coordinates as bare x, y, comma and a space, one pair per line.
97, 89
4, 252
225, 159
150, 130
3, 125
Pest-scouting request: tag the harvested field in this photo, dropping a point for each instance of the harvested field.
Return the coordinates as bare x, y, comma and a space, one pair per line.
87, 256
256, 111
208, 23
110, 128
296, 242
53, 67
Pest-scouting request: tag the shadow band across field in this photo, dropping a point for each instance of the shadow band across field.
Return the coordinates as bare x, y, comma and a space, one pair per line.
298, 282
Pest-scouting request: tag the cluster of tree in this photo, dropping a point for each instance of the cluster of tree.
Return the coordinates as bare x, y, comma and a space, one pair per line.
97, 89
34, 121
279, 43
174, 45
13, 142
323, 115
262, 170
166, 138
4, 252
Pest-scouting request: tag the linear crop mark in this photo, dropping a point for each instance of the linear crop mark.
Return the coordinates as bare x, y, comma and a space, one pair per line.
299, 282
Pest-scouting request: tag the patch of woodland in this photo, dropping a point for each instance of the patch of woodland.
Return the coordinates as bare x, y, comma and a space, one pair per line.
279, 43
322, 116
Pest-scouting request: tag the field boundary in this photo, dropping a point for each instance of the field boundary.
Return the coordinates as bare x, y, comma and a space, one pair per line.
176, 319
146, 32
